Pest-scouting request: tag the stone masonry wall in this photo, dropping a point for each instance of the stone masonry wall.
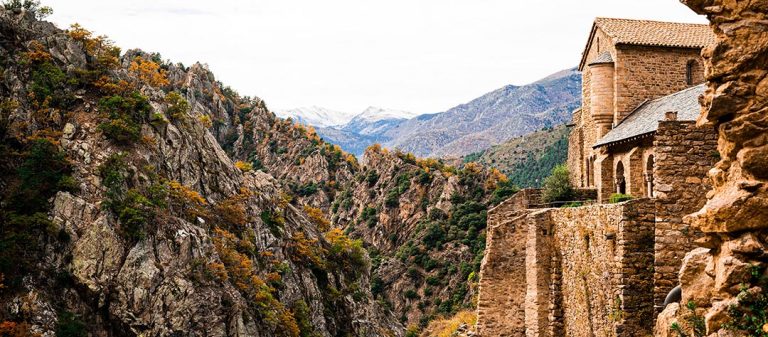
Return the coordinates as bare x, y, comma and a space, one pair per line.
595, 278
605, 261
650, 72
501, 294
684, 154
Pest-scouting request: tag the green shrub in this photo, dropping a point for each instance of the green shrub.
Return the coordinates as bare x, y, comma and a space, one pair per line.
125, 115
370, 216
393, 199
178, 107
133, 208
372, 178
411, 294
274, 222
44, 171
557, 187
571, 204
751, 314
619, 197
31, 6
70, 326
49, 86
306, 190
504, 190
435, 236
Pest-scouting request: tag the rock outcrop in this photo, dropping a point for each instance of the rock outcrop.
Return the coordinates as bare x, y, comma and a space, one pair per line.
122, 215
723, 282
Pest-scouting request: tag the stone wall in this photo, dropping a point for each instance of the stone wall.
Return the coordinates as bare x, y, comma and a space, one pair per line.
645, 72
600, 263
684, 154
501, 288
735, 217
567, 271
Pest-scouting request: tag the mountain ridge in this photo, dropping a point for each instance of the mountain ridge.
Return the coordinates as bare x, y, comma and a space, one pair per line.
488, 120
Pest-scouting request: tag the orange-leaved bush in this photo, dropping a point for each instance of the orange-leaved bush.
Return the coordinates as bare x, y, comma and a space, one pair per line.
240, 269
148, 72
317, 217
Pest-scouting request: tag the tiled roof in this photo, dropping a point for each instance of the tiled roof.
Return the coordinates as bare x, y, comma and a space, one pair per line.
603, 58
651, 33
657, 33
645, 119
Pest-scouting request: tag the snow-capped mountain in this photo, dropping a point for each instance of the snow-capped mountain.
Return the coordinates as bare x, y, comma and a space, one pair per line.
374, 114
488, 120
376, 121
317, 116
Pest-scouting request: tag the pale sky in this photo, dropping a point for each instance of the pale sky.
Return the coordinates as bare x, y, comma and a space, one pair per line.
422, 56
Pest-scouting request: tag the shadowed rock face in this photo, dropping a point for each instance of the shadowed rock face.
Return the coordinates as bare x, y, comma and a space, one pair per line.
733, 256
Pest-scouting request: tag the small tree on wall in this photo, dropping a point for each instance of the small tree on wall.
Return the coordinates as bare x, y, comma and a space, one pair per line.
557, 187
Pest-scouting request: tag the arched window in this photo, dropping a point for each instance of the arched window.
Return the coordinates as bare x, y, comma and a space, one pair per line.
621, 183
689, 71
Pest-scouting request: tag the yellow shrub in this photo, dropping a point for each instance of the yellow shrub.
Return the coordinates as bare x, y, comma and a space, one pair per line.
447, 326
244, 166
206, 121
375, 148
38, 53
306, 251
494, 177
186, 199
317, 217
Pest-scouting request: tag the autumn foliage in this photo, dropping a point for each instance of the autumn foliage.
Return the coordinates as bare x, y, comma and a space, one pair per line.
240, 271
317, 217
148, 72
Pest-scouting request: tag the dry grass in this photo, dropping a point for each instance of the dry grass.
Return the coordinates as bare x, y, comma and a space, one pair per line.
447, 326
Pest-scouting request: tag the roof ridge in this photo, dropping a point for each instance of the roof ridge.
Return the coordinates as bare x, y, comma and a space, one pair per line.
649, 20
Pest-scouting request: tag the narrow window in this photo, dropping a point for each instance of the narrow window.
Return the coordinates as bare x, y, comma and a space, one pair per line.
689, 68
649, 176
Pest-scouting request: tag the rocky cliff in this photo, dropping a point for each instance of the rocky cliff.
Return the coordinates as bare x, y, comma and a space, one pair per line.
724, 281
143, 197
123, 214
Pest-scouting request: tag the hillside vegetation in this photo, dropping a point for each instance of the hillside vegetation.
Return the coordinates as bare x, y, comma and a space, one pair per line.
528, 159
143, 197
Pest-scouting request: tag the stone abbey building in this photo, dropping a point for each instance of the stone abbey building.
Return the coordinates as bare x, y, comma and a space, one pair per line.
604, 269
634, 73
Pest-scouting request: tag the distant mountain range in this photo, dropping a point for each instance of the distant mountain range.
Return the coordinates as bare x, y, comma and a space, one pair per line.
488, 120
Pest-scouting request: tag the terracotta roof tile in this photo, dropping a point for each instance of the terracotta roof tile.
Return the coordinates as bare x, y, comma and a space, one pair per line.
656, 33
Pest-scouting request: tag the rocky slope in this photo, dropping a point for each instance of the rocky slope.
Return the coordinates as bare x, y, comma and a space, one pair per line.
724, 281
123, 215
142, 197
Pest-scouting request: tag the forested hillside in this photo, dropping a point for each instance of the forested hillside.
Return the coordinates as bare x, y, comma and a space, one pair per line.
528, 159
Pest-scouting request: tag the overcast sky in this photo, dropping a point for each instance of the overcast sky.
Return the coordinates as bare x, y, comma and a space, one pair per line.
417, 55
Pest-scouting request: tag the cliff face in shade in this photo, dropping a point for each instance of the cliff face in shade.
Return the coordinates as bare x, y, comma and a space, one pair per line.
725, 279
